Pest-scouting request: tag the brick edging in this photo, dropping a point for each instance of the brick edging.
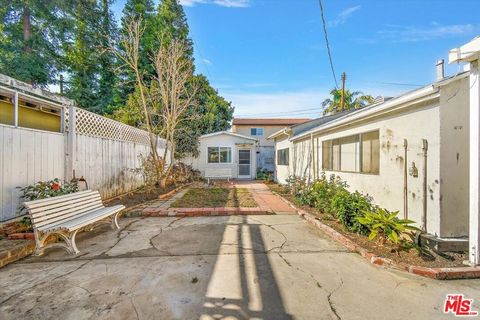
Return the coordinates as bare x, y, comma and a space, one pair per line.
16, 253
433, 273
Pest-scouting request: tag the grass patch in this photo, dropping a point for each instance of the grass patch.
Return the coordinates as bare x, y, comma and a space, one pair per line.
215, 197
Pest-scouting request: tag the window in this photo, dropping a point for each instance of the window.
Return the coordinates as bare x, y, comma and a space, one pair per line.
219, 155
256, 131
356, 153
283, 157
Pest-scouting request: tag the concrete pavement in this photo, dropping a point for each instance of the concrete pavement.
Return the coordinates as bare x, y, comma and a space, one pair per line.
238, 267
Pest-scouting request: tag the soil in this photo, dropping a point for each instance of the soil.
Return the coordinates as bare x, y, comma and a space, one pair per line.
216, 197
139, 196
413, 256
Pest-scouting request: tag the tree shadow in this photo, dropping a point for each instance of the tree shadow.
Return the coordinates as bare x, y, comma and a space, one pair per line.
253, 290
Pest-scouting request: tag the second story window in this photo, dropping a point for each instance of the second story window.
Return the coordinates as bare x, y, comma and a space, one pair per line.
256, 132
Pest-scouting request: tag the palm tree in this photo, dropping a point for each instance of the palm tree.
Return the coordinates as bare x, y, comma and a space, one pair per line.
353, 100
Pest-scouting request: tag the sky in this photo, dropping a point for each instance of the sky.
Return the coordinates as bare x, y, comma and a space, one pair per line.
269, 57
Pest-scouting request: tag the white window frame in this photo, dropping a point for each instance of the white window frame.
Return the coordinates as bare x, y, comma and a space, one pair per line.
219, 147
256, 129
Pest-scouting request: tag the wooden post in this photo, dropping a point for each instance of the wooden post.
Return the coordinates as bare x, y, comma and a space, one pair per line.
15, 109
71, 145
342, 100
61, 85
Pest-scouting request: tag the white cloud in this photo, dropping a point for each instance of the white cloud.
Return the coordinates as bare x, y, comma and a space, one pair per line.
344, 16
207, 62
419, 33
222, 3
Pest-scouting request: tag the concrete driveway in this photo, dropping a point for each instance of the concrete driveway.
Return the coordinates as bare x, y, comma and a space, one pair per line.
238, 267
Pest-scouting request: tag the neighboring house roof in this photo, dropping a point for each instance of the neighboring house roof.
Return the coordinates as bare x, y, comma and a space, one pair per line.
268, 121
227, 133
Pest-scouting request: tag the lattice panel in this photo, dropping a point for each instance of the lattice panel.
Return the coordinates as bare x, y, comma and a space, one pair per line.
93, 124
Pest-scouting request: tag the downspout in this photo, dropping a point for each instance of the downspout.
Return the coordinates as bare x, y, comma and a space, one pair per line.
405, 180
313, 157
425, 158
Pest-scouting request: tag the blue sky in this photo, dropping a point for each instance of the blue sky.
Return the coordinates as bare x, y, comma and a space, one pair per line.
269, 57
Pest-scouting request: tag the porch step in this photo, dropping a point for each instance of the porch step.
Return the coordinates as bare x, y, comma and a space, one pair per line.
444, 244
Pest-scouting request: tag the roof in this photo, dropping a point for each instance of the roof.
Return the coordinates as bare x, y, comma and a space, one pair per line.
227, 133
348, 118
269, 121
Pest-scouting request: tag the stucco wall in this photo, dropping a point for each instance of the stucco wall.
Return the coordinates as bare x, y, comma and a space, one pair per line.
224, 140
454, 158
282, 172
387, 187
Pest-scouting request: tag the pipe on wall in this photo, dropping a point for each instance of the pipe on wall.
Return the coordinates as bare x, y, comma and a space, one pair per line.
425, 158
405, 179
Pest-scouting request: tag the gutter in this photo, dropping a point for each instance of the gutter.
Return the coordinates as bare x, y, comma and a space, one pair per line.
425, 94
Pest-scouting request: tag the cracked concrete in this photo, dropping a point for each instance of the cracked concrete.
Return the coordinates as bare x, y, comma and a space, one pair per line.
238, 267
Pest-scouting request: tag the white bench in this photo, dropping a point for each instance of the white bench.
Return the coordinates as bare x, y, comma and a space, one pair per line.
218, 173
66, 215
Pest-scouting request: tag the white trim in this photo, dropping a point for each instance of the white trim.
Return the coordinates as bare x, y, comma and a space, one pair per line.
220, 163
227, 133
249, 176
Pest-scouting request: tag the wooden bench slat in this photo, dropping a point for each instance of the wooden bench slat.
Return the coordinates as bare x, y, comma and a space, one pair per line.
67, 214
84, 220
43, 202
47, 210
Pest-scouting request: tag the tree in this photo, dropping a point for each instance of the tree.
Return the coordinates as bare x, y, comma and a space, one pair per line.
164, 100
353, 100
107, 77
29, 50
82, 55
141, 10
212, 113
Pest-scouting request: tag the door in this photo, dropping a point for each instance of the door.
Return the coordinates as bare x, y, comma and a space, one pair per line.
244, 164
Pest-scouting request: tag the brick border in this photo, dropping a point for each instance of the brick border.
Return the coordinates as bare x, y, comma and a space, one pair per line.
204, 212
433, 273
16, 253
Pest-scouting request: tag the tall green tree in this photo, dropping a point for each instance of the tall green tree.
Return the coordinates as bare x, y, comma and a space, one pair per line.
107, 77
83, 55
135, 10
29, 33
353, 100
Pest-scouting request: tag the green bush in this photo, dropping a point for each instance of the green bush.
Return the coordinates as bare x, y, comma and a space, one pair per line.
46, 189
347, 206
355, 211
381, 222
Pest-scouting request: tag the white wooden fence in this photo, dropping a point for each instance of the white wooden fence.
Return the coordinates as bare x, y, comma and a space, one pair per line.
100, 150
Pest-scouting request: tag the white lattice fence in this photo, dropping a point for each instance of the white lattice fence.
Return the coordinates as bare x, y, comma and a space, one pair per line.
92, 124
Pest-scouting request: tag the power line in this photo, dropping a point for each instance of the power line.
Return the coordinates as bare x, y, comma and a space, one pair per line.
327, 43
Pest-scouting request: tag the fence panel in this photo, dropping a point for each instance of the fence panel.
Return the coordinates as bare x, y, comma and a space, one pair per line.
27, 156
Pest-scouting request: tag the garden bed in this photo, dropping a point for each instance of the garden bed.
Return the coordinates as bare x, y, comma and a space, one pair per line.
139, 196
216, 197
428, 259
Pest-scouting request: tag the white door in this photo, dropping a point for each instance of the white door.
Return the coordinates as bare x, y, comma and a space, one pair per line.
244, 164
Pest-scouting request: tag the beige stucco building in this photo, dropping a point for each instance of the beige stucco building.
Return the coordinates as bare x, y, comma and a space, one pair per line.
410, 153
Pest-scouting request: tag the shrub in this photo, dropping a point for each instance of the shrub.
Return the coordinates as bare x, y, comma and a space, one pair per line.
386, 224
348, 206
46, 189
265, 175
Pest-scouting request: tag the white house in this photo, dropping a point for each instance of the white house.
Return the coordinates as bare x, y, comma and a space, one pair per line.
417, 153
226, 155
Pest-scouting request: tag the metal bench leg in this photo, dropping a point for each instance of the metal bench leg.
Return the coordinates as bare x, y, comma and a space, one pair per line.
71, 242
115, 221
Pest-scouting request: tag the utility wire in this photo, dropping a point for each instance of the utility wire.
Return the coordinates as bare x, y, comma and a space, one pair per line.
327, 43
